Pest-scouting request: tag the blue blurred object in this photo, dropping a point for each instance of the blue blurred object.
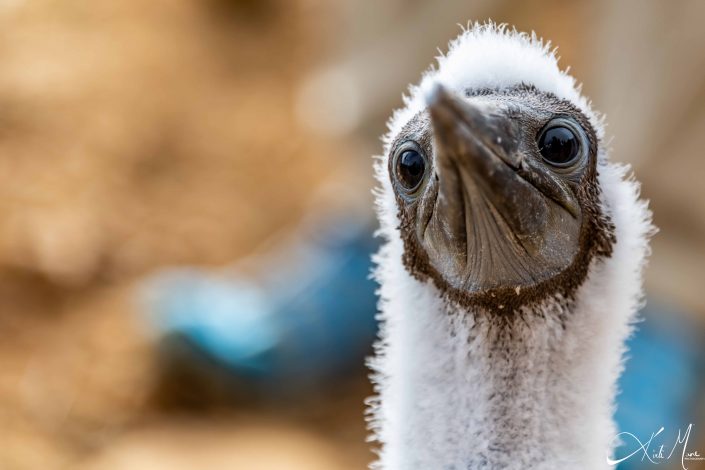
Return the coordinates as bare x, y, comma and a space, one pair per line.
308, 315
663, 384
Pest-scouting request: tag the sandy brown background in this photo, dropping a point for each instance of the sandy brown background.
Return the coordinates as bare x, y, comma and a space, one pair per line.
136, 135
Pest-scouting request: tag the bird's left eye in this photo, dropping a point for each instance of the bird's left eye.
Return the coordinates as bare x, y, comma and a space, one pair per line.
560, 143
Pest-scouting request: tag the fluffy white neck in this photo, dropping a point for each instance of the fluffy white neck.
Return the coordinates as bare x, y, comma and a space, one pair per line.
458, 390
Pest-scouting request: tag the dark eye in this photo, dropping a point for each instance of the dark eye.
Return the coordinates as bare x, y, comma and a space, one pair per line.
410, 169
559, 145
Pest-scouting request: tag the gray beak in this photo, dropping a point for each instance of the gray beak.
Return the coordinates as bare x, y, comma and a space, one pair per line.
476, 156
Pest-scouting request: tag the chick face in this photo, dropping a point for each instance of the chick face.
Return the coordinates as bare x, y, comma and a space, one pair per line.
498, 195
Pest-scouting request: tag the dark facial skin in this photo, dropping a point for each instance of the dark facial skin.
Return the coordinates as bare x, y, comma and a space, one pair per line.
498, 196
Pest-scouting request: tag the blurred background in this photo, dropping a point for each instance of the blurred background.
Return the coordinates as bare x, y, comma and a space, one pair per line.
185, 217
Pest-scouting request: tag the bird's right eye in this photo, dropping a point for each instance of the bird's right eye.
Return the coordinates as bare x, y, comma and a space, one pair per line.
410, 169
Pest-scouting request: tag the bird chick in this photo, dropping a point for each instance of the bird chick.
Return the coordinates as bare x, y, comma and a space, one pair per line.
511, 269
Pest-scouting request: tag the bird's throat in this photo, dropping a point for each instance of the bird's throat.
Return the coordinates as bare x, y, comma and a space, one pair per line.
480, 391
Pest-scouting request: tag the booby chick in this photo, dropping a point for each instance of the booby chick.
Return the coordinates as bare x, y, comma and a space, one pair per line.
511, 270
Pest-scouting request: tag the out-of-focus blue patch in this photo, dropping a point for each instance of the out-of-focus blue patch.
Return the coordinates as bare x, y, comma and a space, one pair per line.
230, 320
310, 313
662, 386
